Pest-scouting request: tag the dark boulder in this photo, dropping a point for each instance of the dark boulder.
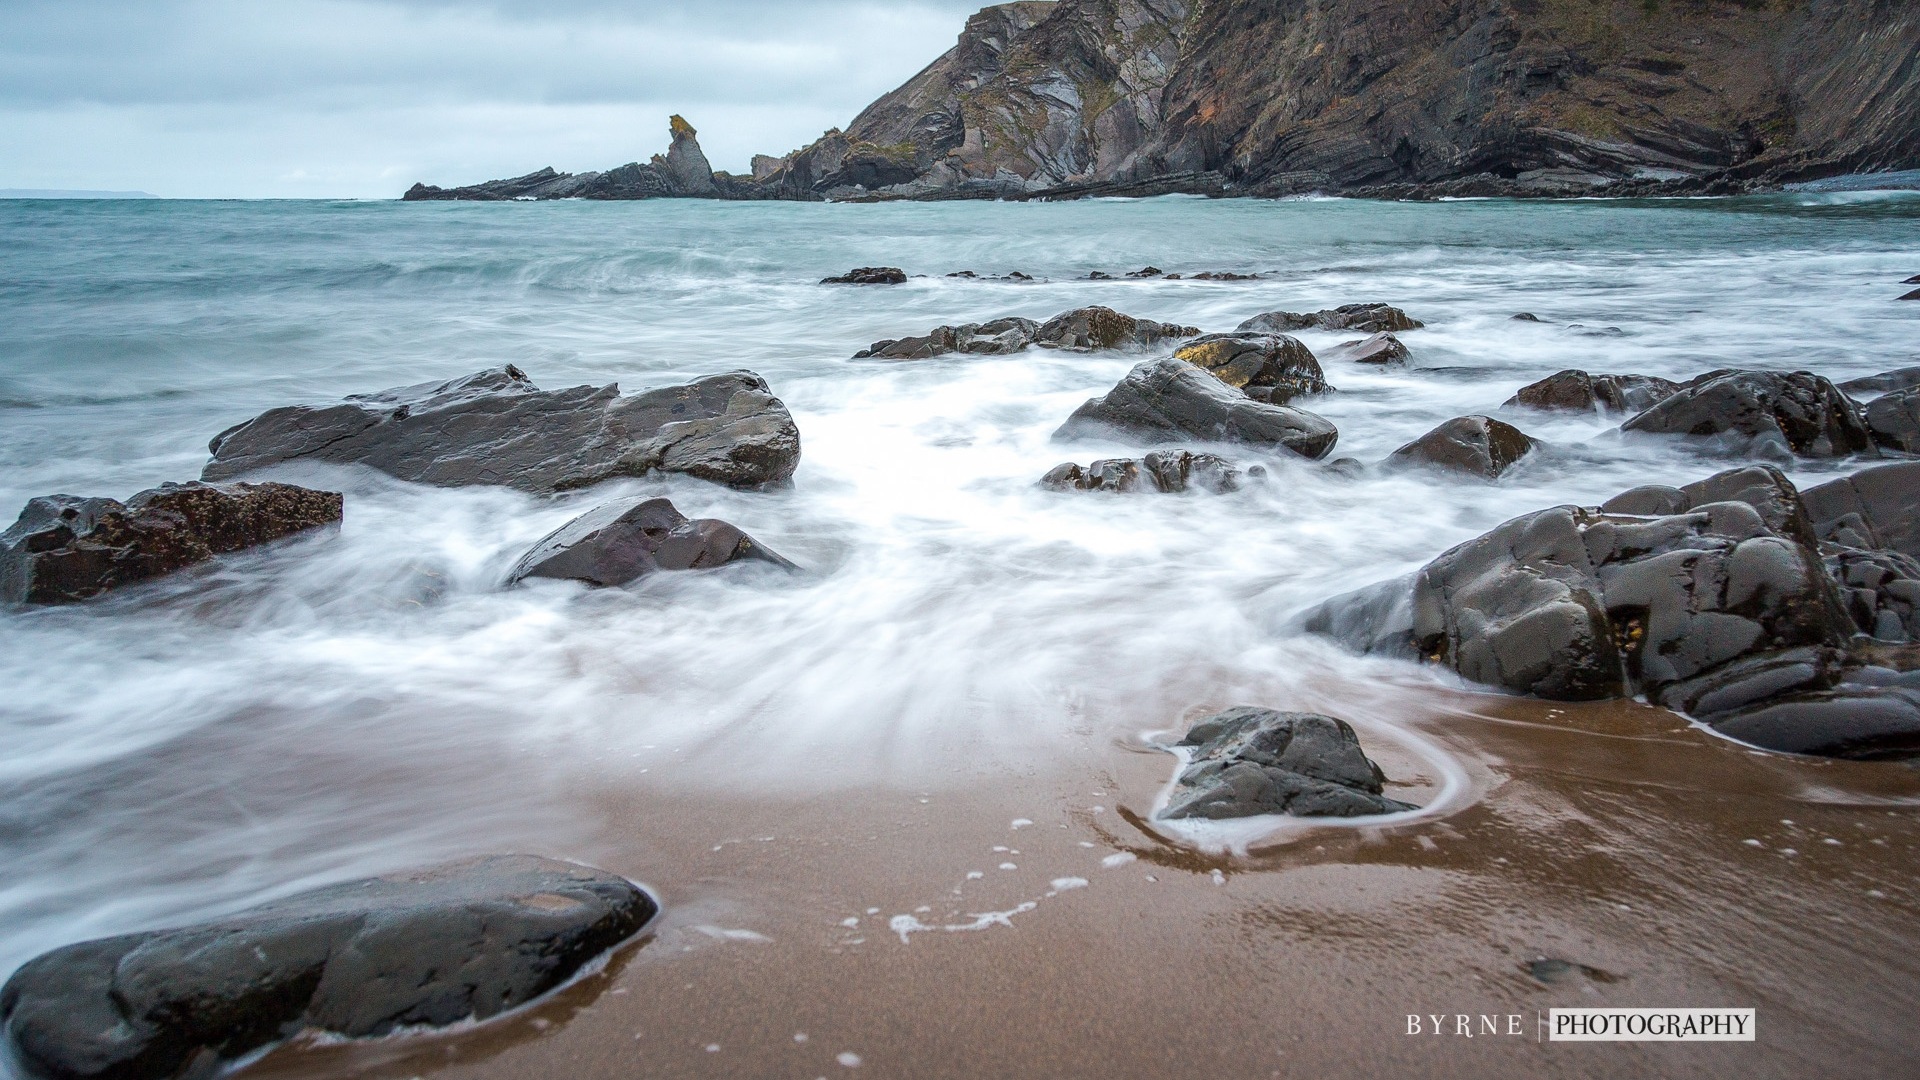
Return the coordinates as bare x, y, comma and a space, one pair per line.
1894, 420
868, 275
1266, 367
1366, 318
628, 539
359, 959
64, 548
1576, 391
996, 338
496, 427
1167, 471
1884, 383
1382, 348
1524, 316
1478, 445
1248, 761
1105, 328
1798, 413
1877, 508
1165, 400
1914, 295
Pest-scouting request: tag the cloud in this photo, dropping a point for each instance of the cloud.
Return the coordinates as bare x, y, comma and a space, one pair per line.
361, 97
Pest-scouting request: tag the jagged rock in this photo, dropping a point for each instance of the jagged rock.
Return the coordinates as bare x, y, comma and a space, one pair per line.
685, 165
1146, 272
1479, 445
1105, 328
1248, 761
496, 427
1914, 295
1366, 318
682, 173
1167, 399
868, 275
1894, 420
630, 538
1721, 609
1884, 383
1798, 413
1880, 590
1168, 471
1914, 280
1266, 367
1382, 349
64, 548
1573, 390
1877, 508
996, 338
363, 958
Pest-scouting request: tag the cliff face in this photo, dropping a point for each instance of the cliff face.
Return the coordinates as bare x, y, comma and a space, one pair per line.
1275, 96
1381, 97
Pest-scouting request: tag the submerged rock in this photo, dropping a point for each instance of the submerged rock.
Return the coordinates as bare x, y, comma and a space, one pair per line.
362, 958
1266, 367
64, 548
1167, 399
1382, 348
1105, 328
1709, 599
1477, 445
868, 275
1574, 390
630, 538
1167, 471
1366, 318
496, 427
1248, 761
1894, 420
1799, 413
997, 338
1884, 383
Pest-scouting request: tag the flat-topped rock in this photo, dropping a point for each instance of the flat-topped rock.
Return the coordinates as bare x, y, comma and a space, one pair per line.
631, 538
1574, 390
497, 427
1167, 400
64, 548
1104, 328
1273, 368
1366, 318
1165, 471
1476, 445
1796, 413
436, 947
1248, 761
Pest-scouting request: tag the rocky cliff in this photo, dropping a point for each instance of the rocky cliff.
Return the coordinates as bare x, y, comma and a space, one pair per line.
1381, 97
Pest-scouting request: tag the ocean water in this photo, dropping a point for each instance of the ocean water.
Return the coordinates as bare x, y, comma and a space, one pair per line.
349, 704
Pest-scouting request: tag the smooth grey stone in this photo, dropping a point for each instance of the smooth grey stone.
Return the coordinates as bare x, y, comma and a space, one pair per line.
1272, 368
1799, 413
1476, 445
1574, 390
1167, 399
1873, 508
1371, 318
1250, 761
628, 539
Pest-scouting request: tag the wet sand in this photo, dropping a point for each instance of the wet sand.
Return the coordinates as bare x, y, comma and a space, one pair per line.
1662, 865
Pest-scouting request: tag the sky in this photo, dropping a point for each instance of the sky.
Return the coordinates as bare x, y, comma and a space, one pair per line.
360, 98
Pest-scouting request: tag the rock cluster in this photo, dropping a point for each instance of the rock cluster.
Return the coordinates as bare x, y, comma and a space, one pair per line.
65, 548
1789, 413
1166, 471
1082, 329
868, 275
1249, 761
630, 538
1273, 368
362, 958
496, 427
1576, 391
1370, 318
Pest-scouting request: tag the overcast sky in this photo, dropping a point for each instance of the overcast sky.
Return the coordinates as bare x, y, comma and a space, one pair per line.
330, 98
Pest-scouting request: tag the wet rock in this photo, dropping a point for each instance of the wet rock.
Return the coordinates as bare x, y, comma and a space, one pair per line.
1478, 445
1266, 367
996, 338
1880, 589
868, 275
1798, 413
1595, 331
630, 538
1576, 391
1884, 383
1105, 328
1382, 348
1557, 972
1248, 761
359, 959
1877, 508
1894, 420
1914, 280
1366, 318
1524, 316
496, 427
1145, 272
64, 548
1219, 275
1168, 399
1914, 295
1860, 722
1167, 471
